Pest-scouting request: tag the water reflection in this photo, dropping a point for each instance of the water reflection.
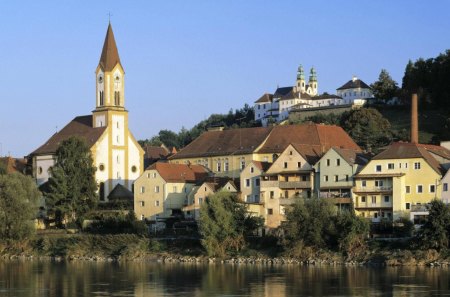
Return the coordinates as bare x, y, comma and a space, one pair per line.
153, 279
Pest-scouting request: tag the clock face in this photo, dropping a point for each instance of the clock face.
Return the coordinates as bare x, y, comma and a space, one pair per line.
100, 79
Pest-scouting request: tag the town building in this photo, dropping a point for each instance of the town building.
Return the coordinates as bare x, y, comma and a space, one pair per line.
355, 92
251, 181
116, 154
162, 190
13, 165
153, 154
228, 152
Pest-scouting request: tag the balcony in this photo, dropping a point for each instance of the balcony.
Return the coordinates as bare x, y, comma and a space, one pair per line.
383, 190
286, 184
287, 201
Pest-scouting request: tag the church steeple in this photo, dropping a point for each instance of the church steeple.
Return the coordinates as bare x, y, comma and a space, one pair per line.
110, 76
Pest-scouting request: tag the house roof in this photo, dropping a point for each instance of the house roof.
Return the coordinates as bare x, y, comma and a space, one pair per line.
265, 140
326, 136
351, 157
437, 150
354, 84
263, 166
180, 172
330, 96
110, 55
216, 183
406, 150
265, 98
280, 92
80, 126
120, 193
14, 165
311, 153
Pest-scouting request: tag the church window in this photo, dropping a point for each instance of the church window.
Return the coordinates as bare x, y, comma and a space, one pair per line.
133, 169
117, 124
101, 167
118, 160
101, 98
40, 170
117, 98
102, 191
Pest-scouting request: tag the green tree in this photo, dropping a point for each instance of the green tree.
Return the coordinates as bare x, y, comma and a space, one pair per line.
224, 223
3, 169
385, 87
18, 206
435, 233
368, 128
72, 187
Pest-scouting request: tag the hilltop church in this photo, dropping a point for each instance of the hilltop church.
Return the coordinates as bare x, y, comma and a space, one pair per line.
116, 153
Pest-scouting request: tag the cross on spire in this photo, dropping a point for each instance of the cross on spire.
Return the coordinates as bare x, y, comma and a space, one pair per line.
109, 17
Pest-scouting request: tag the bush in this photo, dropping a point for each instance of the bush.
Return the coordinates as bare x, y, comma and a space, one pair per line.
117, 223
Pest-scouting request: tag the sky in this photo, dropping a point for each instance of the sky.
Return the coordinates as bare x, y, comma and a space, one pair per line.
185, 60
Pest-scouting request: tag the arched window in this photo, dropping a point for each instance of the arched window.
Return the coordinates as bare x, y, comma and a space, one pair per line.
117, 98
102, 191
101, 98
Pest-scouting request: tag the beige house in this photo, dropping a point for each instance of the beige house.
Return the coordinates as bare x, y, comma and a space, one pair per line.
251, 181
162, 190
290, 176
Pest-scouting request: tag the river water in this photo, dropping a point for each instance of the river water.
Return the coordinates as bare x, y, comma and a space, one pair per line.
156, 279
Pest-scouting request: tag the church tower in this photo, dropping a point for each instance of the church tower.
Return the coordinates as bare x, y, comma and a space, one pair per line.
313, 82
300, 79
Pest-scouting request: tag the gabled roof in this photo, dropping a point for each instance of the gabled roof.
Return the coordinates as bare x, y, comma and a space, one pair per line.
14, 165
437, 150
311, 153
265, 98
326, 136
263, 166
280, 92
110, 55
354, 84
351, 157
80, 126
155, 152
180, 172
406, 150
120, 193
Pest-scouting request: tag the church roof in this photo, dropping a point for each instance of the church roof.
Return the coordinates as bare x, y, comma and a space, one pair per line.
80, 126
120, 193
280, 92
354, 84
265, 98
110, 54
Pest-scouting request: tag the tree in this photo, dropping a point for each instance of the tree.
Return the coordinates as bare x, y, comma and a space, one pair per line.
18, 206
368, 128
385, 87
3, 169
224, 223
435, 233
72, 187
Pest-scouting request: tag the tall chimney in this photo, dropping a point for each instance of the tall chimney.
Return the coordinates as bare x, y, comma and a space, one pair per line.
414, 120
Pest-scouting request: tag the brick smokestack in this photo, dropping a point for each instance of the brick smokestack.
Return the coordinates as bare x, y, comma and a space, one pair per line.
414, 120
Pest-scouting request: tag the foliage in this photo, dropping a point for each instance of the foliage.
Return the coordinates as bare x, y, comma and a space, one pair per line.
403, 227
385, 87
72, 186
321, 118
316, 223
117, 223
240, 118
435, 233
3, 169
18, 206
224, 224
367, 127
430, 79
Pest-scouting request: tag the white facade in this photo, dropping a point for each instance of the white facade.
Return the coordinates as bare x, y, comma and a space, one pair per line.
355, 92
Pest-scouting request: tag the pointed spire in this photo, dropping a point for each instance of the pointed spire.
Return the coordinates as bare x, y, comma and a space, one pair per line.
110, 54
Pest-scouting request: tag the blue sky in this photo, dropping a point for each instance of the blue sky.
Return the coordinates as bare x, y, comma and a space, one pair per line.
185, 60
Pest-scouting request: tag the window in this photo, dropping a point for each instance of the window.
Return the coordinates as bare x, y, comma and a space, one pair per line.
386, 199
133, 169
299, 164
252, 169
242, 164
154, 174
175, 190
142, 217
285, 164
304, 178
156, 189
417, 165
142, 203
226, 166
142, 189
117, 98
363, 183
382, 214
378, 168
270, 211
325, 178
445, 187
200, 201
419, 189
328, 162
338, 162
101, 167
272, 194
346, 177
408, 189
378, 183
363, 199
408, 205
336, 178
391, 166
257, 182
432, 188
219, 166
406, 165
374, 199
247, 182
375, 215
290, 153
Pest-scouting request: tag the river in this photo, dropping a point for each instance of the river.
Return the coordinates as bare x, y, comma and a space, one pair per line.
33, 278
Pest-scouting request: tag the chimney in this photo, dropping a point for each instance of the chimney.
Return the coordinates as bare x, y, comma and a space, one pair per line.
414, 120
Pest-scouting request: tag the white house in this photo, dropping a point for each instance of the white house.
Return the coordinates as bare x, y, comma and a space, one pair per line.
355, 92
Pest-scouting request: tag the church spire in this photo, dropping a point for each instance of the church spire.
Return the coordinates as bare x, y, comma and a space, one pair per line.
110, 54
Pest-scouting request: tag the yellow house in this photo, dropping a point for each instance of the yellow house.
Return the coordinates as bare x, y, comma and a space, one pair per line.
399, 179
162, 190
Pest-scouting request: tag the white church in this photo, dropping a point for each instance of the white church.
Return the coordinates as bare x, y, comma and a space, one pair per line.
118, 157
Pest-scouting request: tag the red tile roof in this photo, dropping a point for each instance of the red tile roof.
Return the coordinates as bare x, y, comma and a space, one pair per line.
180, 172
311, 153
14, 165
80, 126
